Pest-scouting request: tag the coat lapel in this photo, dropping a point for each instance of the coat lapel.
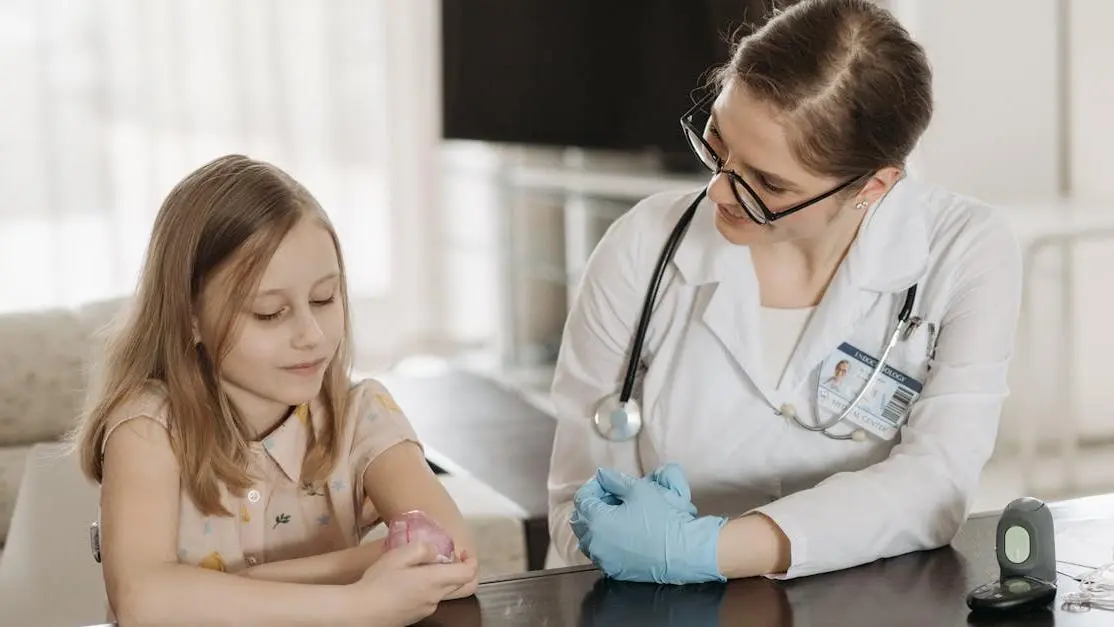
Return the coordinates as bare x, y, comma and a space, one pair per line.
732, 316
730, 310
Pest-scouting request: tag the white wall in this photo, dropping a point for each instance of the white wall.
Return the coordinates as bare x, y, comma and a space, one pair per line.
1091, 62
995, 132
1091, 58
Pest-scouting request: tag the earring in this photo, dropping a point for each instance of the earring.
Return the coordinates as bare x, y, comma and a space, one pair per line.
862, 204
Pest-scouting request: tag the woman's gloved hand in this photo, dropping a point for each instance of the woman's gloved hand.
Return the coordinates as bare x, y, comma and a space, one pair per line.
646, 529
669, 476
672, 478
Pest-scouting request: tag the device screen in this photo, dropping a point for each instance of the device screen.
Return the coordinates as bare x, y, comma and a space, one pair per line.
1017, 544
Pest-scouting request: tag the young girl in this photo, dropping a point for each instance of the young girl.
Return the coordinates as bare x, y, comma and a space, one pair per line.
239, 466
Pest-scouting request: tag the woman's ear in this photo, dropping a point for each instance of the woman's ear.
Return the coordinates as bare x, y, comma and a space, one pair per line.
196, 330
879, 183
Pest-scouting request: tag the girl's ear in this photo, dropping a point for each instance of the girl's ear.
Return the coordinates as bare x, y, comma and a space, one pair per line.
196, 331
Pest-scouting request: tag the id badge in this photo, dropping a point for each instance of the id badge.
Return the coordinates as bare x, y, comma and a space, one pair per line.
886, 404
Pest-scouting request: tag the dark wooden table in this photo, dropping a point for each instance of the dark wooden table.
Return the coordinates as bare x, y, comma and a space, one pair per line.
920, 589
472, 425
926, 589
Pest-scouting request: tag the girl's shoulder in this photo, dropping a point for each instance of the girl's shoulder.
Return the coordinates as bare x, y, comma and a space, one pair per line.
367, 396
148, 402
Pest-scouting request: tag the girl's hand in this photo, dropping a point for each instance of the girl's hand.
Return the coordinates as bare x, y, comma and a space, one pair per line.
406, 584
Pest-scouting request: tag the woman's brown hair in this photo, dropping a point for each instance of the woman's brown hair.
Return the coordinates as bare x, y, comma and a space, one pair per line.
228, 217
854, 89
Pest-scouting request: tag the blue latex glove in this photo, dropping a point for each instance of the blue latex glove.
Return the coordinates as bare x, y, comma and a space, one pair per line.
641, 530
669, 476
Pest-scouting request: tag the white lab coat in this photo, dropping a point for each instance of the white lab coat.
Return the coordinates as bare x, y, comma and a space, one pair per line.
706, 404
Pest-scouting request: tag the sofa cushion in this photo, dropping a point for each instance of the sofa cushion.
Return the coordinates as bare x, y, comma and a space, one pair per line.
47, 574
45, 356
13, 460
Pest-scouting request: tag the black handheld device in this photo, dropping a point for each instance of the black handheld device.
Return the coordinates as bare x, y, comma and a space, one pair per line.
1025, 544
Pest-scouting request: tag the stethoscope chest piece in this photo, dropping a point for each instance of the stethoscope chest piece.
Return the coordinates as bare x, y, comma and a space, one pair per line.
616, 420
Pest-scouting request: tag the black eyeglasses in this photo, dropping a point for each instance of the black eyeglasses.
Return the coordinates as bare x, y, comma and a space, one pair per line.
744, 193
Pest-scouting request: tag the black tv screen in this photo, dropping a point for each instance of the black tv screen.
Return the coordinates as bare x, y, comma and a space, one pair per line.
604, 74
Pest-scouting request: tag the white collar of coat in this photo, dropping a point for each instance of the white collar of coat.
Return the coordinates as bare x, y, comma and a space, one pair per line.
889, 254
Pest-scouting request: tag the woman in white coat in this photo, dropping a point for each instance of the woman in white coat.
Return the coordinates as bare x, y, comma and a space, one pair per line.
801, 256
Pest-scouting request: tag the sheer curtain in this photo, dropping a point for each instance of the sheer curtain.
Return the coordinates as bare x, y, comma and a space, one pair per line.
107, 104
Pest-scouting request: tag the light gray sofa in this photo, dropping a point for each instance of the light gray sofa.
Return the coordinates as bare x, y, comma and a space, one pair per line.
44, 356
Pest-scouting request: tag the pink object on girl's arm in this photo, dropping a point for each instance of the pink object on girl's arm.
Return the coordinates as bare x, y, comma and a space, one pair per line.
416, 526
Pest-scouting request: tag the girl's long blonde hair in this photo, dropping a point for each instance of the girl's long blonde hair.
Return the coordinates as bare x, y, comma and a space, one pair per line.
229, 215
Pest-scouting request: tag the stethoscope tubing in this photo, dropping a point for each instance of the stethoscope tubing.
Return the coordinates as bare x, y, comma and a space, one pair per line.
671, 244
902, 323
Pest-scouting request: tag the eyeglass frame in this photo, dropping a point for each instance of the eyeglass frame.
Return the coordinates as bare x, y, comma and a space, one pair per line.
770, 216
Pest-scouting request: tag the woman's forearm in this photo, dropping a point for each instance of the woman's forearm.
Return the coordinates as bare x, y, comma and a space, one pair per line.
177, 594
752, 545
337, 567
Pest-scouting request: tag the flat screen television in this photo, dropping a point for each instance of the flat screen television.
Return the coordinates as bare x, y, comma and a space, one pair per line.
595, 74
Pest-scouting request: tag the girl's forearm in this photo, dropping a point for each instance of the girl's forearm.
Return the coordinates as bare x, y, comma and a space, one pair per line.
177, 594
338, 567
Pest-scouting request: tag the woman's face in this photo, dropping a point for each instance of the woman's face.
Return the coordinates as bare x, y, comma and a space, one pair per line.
750, 137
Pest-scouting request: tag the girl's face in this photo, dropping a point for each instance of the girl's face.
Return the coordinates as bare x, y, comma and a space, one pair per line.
288, 331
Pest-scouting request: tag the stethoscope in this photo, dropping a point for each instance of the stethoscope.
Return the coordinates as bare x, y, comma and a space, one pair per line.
1095, 591
618, 417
